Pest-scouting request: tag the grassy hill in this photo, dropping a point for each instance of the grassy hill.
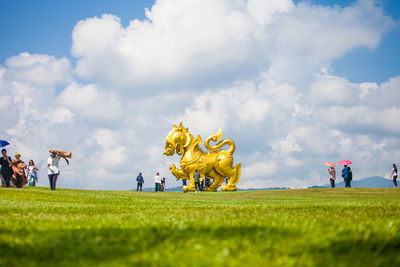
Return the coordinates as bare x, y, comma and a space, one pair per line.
306, 227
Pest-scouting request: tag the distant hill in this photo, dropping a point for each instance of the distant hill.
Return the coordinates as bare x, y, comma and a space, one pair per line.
368, 182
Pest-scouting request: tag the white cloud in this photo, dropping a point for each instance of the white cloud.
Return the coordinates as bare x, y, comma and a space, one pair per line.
59, 115
207, 39
264, 11
90, 102
356, 106
260, 169
38, 70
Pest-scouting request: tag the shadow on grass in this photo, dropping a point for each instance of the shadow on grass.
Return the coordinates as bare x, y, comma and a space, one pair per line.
105, 244
375, 251
140, 245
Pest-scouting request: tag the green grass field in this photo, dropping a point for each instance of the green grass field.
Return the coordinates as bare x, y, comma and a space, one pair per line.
311, 227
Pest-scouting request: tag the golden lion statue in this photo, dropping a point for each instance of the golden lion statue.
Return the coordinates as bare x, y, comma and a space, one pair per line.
215, 165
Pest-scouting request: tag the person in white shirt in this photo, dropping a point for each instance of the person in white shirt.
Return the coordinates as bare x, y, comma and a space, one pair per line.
157, 180
53, 170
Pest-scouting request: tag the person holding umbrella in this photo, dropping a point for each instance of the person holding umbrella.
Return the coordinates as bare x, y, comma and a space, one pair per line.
346, 172
6, 169
332, 173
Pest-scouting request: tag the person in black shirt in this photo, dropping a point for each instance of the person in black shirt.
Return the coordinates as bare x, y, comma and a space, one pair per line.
6, 170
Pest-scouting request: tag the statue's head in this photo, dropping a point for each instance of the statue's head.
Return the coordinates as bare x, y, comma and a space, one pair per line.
177, 140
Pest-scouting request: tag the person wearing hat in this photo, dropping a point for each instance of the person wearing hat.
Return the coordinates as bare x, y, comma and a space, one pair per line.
53, 170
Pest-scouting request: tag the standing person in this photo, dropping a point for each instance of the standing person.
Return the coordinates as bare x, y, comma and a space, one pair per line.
202, 185
19, 176
332, 176
394, 175
157, 181
207, 182
345, 175
53, 170
196, 177
32, 174
163, 184
140, 181
350, 175
184, 184
6, 169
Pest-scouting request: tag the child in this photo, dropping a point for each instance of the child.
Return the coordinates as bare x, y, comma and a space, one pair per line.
32, 174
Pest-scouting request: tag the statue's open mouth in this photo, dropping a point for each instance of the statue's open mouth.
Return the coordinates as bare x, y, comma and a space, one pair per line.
169, 152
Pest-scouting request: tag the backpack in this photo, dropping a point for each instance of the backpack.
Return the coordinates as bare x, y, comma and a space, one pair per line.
350, 173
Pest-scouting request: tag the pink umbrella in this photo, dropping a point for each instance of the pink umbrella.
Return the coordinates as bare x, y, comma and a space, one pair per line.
330, 164
345, 162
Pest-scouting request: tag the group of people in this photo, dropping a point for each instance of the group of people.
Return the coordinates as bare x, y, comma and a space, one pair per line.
15, 173
347, 175
159, 182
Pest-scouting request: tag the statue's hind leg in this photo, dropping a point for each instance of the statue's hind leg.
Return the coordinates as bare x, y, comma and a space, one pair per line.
234, 177
218, 180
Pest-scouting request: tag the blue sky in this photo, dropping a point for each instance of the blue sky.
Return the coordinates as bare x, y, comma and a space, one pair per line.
294, 83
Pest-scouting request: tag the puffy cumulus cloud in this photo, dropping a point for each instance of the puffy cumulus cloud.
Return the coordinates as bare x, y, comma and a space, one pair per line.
59, 115
28, 84
265, 11
259, 169
356, 107
246, 104
329, 32
39, 70
181, 39
90, 103
187, 44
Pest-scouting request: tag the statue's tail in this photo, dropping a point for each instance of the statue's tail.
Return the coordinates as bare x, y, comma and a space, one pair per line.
215, 138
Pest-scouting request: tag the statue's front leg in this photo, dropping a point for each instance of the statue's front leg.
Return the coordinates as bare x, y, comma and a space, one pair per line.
179, 174
191, 186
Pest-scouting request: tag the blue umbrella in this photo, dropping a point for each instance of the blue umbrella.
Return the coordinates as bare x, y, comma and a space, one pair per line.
3, 143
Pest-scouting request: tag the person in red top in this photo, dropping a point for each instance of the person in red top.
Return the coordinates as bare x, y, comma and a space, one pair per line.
163, 184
